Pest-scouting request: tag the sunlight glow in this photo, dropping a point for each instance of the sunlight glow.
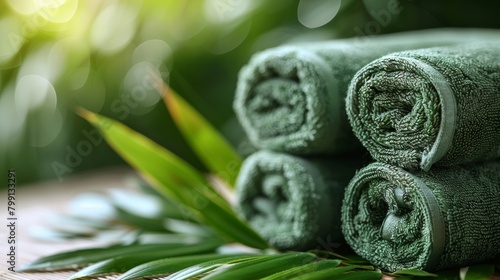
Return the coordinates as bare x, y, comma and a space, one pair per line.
316, 13
10, 31
32, 92
58, 11
24, 7
113, 28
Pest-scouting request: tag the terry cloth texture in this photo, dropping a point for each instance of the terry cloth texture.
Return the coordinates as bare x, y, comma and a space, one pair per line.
447, 217
430, 106
293, 202
291, 98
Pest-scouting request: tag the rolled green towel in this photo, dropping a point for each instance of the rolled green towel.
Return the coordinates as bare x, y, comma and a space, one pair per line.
291, 98
447, 217
430, 106
293, 202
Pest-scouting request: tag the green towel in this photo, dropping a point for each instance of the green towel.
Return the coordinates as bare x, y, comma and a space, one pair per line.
293, 202
430, 106
447, 217
291, 98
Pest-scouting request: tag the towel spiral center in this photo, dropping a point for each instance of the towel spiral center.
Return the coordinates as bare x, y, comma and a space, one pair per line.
396, 111
276, 107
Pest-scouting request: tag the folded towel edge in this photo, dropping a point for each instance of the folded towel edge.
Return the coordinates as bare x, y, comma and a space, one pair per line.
447, 126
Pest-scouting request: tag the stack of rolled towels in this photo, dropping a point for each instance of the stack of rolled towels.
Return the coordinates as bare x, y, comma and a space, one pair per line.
425, 105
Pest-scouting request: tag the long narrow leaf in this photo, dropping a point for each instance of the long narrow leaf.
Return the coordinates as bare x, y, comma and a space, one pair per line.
213, 149
414, 272
143, 223
327, 273
187, 228
361, 275
204, 267
350, 259
175, 179
343, 273
125, 262
258, 268
171, 265
477, 272
86, 256
306, 268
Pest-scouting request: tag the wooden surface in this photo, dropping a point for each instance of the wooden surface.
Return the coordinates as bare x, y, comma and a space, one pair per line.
38, 202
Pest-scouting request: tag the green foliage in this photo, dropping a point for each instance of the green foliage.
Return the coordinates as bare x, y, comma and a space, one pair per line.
209, 145
262, 266
186, 237
478, 272
86, 67
86, 256
413, 272
124, 262
176, 179
172, 265
303, 269
204, 267
327, 273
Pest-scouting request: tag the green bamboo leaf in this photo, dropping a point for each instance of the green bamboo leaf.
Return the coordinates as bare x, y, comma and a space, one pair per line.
211, 147
360, 275
143, 223
258, 268
53, 234
125, 262
327, 273
187, 228
342, 273
171, 265
169, 209
204, 267
346, 259
414, 272
477, 272
162, 238
175, 179
306, 268
86, 256
450, 274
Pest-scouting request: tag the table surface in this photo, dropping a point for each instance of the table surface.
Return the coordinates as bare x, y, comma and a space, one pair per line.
35, 203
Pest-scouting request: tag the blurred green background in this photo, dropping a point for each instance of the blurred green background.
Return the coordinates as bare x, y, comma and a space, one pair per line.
102, 55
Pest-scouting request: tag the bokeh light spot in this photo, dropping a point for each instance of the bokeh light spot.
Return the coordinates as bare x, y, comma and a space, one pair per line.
231, 38
113, 28
77, 78
154, 51
24, 7
58, 11
221, 11
41, 63
142, 87
43, 126
316, 13
32, 92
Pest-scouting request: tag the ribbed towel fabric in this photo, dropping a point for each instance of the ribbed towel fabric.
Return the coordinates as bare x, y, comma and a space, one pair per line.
447, 217
429, 106
293, 202
291, 98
